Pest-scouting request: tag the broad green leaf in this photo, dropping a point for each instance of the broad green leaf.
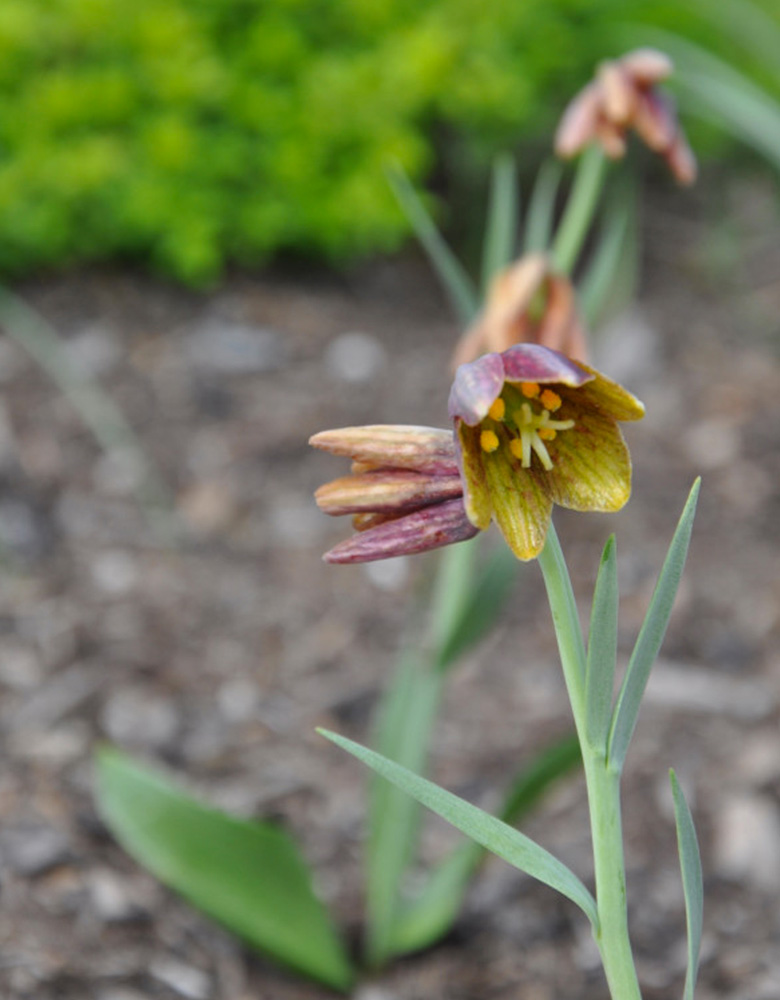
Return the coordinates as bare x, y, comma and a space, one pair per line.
249, 876
403, 733
457, 284
690, 866
541, 209
488, 593
487, 830
650, 636
602, 651
501, 230
433, 912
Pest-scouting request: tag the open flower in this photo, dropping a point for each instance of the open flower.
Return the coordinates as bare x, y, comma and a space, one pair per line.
534, 428
405, 492
625, 95
527, 303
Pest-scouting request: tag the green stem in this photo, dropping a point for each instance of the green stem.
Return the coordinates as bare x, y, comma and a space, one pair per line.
614, 944
603, 785
580, 209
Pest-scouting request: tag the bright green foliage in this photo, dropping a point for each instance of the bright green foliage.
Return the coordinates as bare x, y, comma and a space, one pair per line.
190, 133
248, 875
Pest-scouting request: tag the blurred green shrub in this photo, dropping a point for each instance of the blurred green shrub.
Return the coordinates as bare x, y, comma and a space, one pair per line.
190, 133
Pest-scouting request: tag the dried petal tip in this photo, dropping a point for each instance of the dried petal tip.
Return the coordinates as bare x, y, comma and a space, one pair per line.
624, 95
528, 303
423, 449
405, 492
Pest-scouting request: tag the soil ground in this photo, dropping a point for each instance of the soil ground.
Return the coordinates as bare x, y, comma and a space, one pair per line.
216, 658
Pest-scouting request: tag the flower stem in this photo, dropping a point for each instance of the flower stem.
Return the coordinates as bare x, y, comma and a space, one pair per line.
603, 785
580, 209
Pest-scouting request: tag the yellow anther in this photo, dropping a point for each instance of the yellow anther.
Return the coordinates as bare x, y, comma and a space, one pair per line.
516, 447
547, 433
530, 389
488, 440
498, 409
550, 400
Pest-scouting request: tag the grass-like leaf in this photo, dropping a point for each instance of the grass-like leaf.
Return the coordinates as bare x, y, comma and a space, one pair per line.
566, 621
96, 409
690, 866
487, 595
541, 208
403, 733
602, 651
501, 229
715, 90
487, 830
611, 274
650, 636
435, 909
249, 876
456, 282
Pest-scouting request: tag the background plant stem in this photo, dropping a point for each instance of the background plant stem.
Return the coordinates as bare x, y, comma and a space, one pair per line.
580, 209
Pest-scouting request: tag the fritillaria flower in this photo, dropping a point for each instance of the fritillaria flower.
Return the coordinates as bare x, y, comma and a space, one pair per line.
534, 428
625, 95
405, 492
527, 303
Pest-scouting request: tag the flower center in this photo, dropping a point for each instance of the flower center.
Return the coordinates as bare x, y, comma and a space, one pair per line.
526, 416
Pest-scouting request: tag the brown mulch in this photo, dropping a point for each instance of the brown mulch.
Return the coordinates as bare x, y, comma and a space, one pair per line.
216, 658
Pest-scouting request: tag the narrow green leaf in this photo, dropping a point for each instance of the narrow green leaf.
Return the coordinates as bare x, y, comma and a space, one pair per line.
434, 911
529, 786
488, 594
690, 866
650, 636
403, 733
491, 833
451, 589
566, 621
96, 409
602, 651
249, 876
501, 228
541, 209
611, 271
431, 915
456, 282
715, 90
745, 23
740, 107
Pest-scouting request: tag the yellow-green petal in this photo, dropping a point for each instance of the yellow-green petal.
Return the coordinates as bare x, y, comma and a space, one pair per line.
609, 397
591, 464
521, 504
476, 494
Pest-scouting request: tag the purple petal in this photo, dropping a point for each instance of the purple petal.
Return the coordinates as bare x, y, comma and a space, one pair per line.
385, 491
476, 387
534, 363
430, 528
